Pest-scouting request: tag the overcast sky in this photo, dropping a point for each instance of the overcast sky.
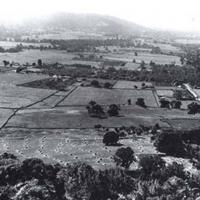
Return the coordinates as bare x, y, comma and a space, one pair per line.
183, 15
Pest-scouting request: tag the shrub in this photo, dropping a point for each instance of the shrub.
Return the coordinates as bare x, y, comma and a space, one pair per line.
83, 182
124, 157
193, 108
110, 138
140, 102
176, 104
113, 110
150, 165
171, 170
107, 85
95, 83
34, 167
164, 103
95, 110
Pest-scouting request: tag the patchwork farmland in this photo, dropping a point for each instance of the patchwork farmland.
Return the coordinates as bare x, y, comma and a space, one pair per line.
55, 126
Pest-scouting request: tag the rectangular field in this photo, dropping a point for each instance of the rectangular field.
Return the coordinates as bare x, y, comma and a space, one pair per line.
83, 95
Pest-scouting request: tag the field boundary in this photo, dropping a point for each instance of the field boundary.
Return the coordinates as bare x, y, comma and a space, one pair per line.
23, 108
70, 92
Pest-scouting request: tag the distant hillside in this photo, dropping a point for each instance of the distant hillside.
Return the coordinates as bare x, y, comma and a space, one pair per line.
92, 23
86, 23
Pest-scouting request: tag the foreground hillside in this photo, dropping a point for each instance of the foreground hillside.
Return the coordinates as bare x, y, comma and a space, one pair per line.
35, 180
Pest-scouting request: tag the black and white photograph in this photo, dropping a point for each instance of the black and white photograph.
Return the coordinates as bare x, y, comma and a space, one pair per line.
99, 100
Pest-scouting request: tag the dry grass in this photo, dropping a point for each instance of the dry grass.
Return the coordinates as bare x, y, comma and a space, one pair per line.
68, 146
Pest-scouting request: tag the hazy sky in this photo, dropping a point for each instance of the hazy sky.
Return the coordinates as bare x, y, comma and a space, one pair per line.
183, 15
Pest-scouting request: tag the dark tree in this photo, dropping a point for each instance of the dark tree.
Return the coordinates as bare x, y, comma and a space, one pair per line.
193, 108
129, 101
176, 104
140, 102
124, 157
170, 143
178, 94
107, 85
164, 103
143, 85
113, 110
92, 103
152, 63
111, 138
5, 62
150, 164
182, 59
39, 62
95, 83
2, 49
142, 64
95, 110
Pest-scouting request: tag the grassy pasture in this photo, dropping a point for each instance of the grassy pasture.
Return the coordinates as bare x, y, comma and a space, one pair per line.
47, 56
77, 117
83, 95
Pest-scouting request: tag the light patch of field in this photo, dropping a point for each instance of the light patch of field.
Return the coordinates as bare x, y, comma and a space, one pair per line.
83, 95
130, 84
66, 146
186, 103
146, 57
197, 91
165, 93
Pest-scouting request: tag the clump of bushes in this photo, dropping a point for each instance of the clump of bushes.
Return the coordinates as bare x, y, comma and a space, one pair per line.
113, 110
124, 157
140, 102
95, 110
193, 108
110, 138
170, 143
